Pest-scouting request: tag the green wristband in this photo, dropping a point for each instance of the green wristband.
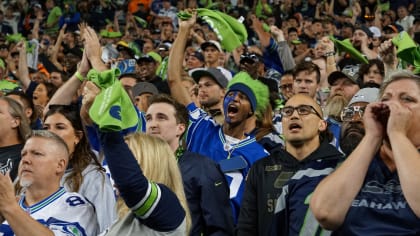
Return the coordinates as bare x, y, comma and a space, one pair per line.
79, 76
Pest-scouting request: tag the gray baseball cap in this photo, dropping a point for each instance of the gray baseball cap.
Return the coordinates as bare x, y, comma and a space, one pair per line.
365, 95
350, 72
144, 87
212, 72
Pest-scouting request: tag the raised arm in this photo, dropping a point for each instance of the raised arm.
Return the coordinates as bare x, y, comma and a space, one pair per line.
178, 91
332, 198
163, 211
20, 221
263, 36
406, 155
23, 72
56, 48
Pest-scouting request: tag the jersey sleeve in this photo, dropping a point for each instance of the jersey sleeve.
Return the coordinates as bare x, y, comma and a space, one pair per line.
153, 204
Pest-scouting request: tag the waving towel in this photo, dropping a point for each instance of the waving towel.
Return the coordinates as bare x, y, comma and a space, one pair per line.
407, 50
346, 46
229, 30
112, 109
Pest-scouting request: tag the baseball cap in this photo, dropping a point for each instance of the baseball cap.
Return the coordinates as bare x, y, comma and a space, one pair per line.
198, 55
393, 29
144, 87
165, 46
212, 72
211, 43
150, 57
365, 29
350, 72
365, 95
376, 31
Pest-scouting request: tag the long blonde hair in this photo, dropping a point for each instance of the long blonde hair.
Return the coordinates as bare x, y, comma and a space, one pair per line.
159, 165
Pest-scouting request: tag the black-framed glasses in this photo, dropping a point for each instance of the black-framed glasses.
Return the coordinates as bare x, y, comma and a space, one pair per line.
354, 113
302, 110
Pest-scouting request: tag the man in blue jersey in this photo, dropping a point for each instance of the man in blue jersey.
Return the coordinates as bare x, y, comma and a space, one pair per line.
228, 145
291, 174
211, 91
44, 208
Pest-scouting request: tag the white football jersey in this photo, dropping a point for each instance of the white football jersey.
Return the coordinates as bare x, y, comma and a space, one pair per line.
63, 213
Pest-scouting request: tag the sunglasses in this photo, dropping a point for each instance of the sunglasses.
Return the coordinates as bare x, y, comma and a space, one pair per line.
302, 110
354, 113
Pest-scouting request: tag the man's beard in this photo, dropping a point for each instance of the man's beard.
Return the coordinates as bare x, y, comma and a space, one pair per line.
335, 105
350, 140
25, 183
209, 103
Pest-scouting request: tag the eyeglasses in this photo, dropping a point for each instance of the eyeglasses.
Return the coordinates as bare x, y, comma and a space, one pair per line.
349, 113
302, 110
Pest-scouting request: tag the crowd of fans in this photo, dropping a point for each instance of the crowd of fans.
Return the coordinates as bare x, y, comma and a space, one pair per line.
209, 117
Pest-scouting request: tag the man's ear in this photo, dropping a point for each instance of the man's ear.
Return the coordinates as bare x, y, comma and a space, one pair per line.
61, 165
322, 125
181, 129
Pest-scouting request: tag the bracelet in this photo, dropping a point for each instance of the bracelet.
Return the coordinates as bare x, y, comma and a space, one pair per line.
79, 76
328, 54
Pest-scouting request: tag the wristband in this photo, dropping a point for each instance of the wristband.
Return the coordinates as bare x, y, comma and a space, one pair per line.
328, 54
79, 76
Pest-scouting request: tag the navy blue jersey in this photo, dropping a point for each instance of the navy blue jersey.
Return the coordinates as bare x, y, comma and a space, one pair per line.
380, 207
206, 137
207, 194
292, 214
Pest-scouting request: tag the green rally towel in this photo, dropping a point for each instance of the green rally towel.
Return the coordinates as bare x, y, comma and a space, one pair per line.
112, 109
229, 30
110, 34
162, 70
346, 46
407, 50
262, 8
141, 21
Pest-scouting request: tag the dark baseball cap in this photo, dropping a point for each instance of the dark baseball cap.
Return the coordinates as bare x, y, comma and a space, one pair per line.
198, 55
144, 87
212, 72
350, 72
365, 29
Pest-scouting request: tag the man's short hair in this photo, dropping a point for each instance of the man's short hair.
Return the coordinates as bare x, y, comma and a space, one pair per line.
291, 30
310, 67
50, 136
181, 112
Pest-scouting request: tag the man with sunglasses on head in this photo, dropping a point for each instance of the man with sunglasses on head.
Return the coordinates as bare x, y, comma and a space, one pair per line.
278, 186
352, 128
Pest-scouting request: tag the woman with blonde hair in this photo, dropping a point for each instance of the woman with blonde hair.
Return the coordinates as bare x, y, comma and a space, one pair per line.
375, 190
154, 196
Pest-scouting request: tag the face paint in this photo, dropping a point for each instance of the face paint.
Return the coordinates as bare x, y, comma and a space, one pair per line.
228, 99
